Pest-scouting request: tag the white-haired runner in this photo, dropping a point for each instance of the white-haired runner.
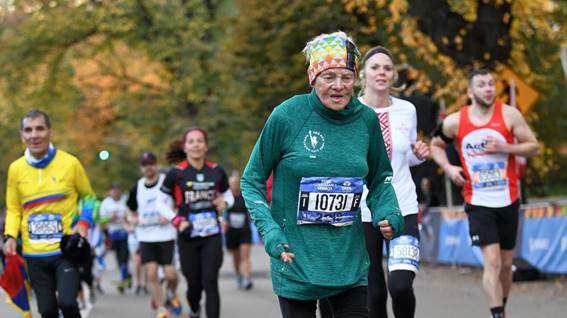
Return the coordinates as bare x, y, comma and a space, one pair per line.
322, 148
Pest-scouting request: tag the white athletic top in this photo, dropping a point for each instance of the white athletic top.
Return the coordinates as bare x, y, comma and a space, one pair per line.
149, 228
108, 207
398, 123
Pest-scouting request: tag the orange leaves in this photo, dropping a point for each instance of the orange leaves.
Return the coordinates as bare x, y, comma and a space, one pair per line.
397, 9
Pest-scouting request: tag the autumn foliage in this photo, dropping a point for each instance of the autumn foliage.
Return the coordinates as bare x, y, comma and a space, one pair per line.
131, 75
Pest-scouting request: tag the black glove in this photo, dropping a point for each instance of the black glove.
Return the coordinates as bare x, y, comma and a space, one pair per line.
186, 233
75, 248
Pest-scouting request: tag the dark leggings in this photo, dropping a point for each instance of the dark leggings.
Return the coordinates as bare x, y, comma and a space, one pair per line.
86, 272
348, 304
120, 247
201, 259
325, 308
55, 283
400, 282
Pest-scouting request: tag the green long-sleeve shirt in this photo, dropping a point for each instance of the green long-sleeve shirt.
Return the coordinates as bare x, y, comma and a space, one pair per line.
302, 138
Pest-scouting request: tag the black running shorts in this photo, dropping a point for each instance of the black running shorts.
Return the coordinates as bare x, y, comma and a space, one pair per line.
236, 237
493, 225
159, 252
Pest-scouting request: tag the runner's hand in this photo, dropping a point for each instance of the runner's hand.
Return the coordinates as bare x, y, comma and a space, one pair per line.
183, 225
10, 246
163, 221
493, 145
455, 173
287, 257
420, 150
82, 230
220, 204
132, 219
386, 229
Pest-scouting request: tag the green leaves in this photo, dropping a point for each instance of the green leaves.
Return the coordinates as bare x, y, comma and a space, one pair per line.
113, 74
131, 75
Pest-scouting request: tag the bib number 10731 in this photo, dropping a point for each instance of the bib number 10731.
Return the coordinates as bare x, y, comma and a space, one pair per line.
329, 200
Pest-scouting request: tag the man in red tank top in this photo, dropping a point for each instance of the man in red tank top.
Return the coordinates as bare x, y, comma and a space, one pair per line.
485, 132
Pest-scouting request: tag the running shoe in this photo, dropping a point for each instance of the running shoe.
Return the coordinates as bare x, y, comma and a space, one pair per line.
82, 304
239, 279
121, 287
138, 290
174, 305
194, 314
247, 283
99, 289
162, 313
92, 295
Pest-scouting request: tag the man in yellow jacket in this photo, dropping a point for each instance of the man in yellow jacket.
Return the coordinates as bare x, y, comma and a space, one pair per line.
43, 190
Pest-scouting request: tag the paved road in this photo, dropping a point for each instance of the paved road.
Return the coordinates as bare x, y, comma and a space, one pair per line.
442, 292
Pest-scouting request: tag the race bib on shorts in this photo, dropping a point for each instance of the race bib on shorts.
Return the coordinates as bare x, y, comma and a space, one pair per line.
204, 224
237, 220
404, 254
489, 175
329, 200
45, 228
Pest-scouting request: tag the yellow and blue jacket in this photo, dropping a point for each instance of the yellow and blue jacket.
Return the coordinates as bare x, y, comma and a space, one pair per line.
42, 202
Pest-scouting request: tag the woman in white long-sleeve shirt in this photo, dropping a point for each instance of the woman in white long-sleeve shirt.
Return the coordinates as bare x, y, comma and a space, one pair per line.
398, 123
201, 193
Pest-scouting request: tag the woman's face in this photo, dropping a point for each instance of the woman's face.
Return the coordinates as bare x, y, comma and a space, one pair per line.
334, 87
379, 73
195, 145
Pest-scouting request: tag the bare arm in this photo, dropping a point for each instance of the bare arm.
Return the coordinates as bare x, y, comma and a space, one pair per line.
438, 145
526, 145
419, 150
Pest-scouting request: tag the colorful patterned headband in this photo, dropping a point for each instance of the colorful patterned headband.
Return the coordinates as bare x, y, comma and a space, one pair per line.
335, 50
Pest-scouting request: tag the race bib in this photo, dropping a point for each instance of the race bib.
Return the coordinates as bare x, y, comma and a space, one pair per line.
489, 175
237, 220
45, 228
404, 254
149, 218
329, 200
204, 224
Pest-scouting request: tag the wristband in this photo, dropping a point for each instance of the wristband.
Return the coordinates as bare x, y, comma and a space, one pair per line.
176, 221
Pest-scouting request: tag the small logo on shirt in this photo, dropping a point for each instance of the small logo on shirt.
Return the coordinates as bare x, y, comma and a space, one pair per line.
200, 177
314, 141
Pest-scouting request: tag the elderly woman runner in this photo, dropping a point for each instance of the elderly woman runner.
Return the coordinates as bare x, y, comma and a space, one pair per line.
322, 148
